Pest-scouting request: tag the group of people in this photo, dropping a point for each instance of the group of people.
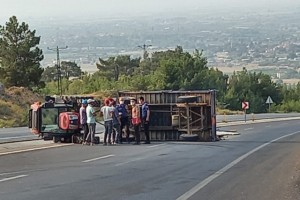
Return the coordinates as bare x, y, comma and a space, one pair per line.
116, 117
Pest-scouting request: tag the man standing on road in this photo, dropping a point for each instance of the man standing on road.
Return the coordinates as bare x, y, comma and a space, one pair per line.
107, 112
83, 120
91, 120
122, 108
145, 119
136, 120
116, 123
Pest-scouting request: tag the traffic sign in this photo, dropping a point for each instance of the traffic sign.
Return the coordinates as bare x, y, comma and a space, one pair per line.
245, 105
269, 100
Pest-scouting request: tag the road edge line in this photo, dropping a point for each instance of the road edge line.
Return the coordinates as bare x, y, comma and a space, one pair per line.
33, 149
215, 175
12, 178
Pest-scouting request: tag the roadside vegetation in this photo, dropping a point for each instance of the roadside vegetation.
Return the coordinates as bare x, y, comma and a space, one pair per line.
14, 105
164, 70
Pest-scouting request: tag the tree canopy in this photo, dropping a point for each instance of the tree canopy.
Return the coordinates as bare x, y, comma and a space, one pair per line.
114, 67
19, 55
252, 87
68, 69
163, 70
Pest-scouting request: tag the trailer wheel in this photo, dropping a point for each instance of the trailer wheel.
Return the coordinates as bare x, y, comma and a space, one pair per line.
189, 137
187, 99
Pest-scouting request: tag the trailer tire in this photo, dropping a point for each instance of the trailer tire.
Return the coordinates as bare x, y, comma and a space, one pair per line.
189, 137
187, 99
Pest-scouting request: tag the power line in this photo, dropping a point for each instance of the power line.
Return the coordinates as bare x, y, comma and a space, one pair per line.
59, 82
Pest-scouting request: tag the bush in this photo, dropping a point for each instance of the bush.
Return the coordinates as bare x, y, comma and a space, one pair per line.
11, 114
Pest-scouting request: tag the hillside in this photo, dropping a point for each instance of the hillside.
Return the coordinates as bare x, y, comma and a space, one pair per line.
14, 105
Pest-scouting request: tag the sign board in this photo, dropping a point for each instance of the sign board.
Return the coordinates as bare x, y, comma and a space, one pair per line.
269, 100
245, 105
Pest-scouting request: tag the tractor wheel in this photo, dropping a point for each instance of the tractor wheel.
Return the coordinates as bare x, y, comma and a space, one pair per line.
56, 139
47, 138
68, 139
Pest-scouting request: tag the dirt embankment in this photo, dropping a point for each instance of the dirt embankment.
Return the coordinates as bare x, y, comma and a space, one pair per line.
14, 105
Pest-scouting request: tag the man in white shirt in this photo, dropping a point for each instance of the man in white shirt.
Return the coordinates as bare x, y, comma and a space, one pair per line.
91, 121
107, 112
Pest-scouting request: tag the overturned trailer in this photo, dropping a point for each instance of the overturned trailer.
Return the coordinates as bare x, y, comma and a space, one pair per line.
180, 115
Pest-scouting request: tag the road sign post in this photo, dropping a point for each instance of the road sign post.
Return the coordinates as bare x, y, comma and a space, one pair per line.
245, 106
269, 101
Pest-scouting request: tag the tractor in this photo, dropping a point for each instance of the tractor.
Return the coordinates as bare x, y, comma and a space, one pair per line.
58, 118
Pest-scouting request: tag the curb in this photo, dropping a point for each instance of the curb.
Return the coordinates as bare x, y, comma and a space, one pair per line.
222, 124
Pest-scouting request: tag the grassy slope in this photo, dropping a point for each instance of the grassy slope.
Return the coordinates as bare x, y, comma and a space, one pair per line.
14, 105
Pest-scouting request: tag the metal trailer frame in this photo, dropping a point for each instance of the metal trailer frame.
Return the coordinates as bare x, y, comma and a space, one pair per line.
164, 105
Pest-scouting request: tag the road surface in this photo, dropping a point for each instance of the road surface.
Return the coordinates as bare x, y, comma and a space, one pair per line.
260, 163
23, 133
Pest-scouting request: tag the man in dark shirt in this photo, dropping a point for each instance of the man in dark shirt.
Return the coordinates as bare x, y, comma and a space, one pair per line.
122, 109
145, 118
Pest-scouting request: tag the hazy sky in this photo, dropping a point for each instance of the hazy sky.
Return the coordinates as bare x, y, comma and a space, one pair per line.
84, 8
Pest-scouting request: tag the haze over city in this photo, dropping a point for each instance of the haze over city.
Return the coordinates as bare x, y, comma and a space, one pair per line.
35, 9
231, 32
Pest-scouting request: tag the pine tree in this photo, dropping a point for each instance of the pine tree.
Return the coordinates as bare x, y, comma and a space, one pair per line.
19, 55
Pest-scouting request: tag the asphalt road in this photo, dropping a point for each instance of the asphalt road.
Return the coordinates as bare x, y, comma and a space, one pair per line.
260, 163
23, 133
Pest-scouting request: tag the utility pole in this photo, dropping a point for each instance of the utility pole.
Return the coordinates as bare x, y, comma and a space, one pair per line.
59, 82
144, 47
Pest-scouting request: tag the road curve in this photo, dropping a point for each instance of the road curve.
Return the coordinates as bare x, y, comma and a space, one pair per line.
260, 163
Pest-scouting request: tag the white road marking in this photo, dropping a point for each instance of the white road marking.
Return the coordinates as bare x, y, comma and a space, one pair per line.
209, 179
34, 149
7, 138
18, 172
12, 178
157, 145
268, 126
247, 129
99, 158
133, 160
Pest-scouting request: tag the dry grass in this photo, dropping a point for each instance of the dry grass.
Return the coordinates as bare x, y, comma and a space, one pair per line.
11, 114
14, 105
228, 112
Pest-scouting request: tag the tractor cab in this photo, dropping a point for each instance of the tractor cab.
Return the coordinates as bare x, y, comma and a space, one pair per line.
57, 118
